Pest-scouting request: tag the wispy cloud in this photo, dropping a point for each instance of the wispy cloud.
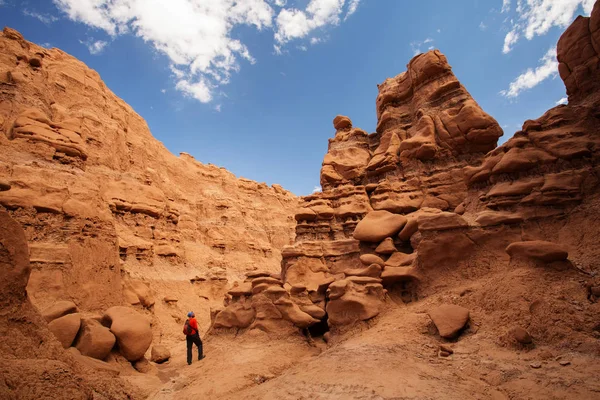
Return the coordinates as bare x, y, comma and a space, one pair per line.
564, 100
548, 67
417, 45
537, 17
95, 47
46, 19
317, 189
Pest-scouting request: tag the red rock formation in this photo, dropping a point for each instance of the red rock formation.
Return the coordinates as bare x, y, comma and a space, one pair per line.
419, 197
112, 218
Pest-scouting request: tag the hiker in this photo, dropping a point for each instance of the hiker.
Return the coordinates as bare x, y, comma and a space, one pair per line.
192, 336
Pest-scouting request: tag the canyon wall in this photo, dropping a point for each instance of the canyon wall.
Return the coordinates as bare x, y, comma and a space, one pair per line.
110, 215
428, 202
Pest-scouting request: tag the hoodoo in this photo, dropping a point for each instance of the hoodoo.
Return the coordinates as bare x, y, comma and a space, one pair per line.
433, 264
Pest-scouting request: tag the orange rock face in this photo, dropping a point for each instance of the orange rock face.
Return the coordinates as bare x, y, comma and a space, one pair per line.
104, 204
429, 193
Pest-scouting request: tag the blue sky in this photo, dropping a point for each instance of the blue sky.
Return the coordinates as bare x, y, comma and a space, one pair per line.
253, 85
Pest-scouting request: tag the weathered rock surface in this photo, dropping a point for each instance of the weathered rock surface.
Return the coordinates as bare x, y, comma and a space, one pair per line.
94, 340
449, 319
538, 249
65, 328
107, 209
59, 309
131, 329
160, 353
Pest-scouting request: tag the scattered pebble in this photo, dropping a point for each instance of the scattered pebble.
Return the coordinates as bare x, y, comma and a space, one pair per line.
535, 365
564, 363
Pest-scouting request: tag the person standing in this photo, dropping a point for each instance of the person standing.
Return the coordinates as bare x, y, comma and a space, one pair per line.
192, 336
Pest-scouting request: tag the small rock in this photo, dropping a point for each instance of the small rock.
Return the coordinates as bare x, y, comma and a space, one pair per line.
535, 365
446, 348
170, 299
444, 353
521, 335
160, 354
564, 363
449, 319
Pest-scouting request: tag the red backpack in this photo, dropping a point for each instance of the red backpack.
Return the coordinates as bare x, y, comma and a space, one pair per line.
187, 328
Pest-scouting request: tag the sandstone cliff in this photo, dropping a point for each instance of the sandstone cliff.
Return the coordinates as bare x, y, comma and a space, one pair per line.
111, 217
428, 203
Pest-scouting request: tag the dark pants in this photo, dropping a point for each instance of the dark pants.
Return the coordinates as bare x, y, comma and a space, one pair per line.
191, 340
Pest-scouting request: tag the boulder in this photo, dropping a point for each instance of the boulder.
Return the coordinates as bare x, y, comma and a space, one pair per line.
132, 330
159, 354
290, 311
539, 250
401, 259
441, 221
94, 340
378, 225
354, 299
243, 289
235, 315
65, 328
491, 218
342, 122
373, 270
386, 247
369, 259
391, 275
59, 309
93, 363
449, 319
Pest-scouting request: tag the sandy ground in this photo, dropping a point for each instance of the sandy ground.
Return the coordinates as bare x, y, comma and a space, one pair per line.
395, 359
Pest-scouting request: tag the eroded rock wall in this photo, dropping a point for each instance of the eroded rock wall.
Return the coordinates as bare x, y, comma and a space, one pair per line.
428, 202
111, 217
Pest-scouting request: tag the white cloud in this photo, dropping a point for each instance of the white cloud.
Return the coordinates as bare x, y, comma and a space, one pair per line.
510, 39
163, 91
352, 7
317, 189
196, 35
537, 17
315, 40
292, 23
199, 90
303, 48
532, 77
564, 100
482, 26
218, 108
46, 19
416, 46
95, 47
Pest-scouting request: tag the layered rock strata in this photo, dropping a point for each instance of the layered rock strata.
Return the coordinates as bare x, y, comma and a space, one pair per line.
111, 216
429, 193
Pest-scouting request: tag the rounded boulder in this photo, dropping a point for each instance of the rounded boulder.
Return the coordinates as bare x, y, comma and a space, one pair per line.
378, 225
132, 330
65, 328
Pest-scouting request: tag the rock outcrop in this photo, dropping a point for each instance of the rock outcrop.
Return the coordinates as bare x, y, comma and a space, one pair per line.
429, 193
107, 209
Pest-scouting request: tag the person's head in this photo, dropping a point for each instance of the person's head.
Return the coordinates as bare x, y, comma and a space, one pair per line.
191, 314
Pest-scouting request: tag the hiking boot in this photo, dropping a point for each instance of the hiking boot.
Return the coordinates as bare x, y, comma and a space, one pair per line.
202, 357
